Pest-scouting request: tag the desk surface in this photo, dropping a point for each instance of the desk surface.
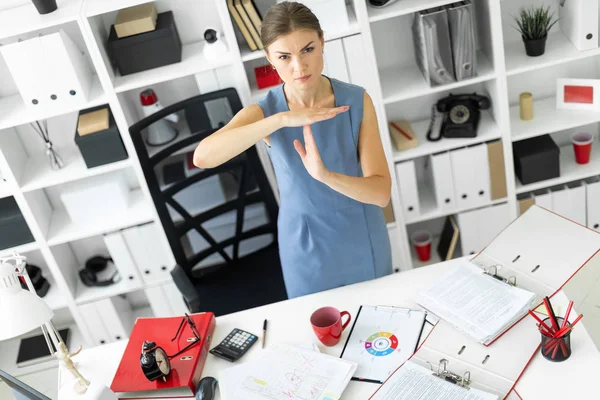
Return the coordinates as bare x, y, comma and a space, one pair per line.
289, 322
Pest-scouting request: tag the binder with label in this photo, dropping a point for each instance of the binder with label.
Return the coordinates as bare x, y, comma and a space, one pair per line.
461, 21
578, 20
382, 337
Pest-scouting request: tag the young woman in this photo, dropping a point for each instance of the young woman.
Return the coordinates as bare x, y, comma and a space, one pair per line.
324, 143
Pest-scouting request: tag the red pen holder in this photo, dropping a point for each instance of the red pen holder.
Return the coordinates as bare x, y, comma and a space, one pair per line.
556, 349
266, 76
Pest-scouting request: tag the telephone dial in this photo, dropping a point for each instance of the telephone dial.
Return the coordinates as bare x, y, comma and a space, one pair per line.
460, 116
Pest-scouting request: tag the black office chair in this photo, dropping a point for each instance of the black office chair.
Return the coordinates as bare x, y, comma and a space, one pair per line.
238, 282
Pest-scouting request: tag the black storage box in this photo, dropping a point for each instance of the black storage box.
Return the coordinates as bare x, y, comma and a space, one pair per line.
102, 147
147, 50
13, 228
536, 159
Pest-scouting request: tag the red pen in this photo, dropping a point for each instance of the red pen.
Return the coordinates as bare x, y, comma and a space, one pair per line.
567, 314
549, 331
551, 314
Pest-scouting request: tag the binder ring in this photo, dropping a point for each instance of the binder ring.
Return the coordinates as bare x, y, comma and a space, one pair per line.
462, 381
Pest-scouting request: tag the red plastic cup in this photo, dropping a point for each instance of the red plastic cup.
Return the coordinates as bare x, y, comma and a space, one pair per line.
422, 242
582, 145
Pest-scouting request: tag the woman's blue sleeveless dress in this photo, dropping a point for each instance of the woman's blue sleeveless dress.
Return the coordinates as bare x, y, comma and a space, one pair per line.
326, 239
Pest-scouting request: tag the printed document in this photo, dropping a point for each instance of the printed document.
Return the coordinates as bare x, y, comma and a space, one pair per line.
476, 303
414, 382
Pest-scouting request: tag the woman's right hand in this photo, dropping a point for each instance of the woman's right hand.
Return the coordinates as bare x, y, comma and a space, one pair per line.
309, 116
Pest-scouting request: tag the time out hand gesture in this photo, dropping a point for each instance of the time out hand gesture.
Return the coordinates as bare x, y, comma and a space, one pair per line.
310, 155
309, 116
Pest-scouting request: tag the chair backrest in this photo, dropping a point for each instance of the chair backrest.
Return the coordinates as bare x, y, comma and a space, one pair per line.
178, 188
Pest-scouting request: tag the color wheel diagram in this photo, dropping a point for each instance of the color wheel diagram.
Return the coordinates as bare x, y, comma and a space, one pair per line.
381, 344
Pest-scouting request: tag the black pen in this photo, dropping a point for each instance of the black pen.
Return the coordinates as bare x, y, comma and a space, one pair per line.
264, 333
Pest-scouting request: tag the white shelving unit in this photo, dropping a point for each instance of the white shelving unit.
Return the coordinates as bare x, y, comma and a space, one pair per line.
390, 75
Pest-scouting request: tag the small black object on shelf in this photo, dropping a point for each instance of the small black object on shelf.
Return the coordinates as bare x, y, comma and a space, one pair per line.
45, 6
147, 50
40, 284
536, 159
14, 230
101, 147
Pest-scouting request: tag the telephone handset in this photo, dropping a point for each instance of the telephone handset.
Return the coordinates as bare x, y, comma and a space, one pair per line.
460, 116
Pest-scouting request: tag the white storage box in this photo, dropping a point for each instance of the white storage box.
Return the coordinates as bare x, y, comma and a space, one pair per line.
96, 198
50, 72
332, 14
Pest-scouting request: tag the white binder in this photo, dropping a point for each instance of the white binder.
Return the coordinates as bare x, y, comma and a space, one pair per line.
119, 252
175, 298
464, 178
543, 198
478, 161
443, 182
468, 226
560, 201
592, 189
359, 71
94, 323
335, 60
116, 316
579, 22
492, 220
546, 254
153, 260
577, 207
409, 193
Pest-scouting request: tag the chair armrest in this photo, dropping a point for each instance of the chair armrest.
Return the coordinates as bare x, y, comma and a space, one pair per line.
186, 287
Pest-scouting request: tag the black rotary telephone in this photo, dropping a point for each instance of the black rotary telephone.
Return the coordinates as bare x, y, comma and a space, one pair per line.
460, 116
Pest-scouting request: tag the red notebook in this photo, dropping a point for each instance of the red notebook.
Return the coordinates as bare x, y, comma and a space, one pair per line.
131, 383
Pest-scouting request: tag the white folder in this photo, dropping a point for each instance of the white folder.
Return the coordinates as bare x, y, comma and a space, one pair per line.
95, 324
560, 201
119, 252
335, 60
443, 182
543, 198
468, 226
492, 220
175, 298
409, 193
117, 317
593, 204
579, 22
464, 178
159, 302
478, 161
577, 211
153, 260
359, 70
207, 81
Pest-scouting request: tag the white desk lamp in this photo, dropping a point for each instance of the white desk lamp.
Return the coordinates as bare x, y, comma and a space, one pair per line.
22, 311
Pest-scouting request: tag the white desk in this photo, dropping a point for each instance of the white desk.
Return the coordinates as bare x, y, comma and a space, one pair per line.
575, 378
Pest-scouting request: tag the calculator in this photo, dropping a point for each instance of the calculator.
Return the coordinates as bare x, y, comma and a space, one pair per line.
235, 345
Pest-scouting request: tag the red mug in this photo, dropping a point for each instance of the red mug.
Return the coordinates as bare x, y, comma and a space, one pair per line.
327, 324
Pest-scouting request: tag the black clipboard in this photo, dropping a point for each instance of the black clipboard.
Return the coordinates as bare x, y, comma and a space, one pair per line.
361, 379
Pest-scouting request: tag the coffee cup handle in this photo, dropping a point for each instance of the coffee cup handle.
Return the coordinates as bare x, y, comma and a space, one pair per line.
345, 324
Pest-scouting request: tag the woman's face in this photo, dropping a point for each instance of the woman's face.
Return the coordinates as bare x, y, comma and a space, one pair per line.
298, 58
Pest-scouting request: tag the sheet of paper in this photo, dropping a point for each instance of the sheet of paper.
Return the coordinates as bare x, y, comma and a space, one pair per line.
287, 373
476, 303
413, 382
381, 339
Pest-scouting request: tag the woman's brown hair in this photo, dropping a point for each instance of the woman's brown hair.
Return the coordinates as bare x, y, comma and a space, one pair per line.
286, 17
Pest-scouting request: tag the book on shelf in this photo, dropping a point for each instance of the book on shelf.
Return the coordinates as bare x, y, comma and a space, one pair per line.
241, 26
245, 22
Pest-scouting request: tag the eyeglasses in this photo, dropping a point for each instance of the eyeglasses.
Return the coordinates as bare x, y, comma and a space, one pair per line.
194, 330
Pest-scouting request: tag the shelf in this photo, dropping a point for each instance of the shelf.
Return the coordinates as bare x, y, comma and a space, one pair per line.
434, 212
54, 298
558, 50
97, 7
192, 62
569, 170
548, 119
14, 112
488, 130
25, 18
9, 349
4, 190
62, 230
39, 175
401, 83
23, 248
249, 55
402, 7
85, 294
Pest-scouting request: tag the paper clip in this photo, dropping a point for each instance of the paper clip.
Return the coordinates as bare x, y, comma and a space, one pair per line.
493, 272
393, 309
443, 373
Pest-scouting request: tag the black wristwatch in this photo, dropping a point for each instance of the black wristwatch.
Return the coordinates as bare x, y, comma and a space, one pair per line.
154, 362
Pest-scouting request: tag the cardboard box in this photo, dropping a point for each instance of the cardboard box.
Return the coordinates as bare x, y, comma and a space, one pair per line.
93, 121
135, 20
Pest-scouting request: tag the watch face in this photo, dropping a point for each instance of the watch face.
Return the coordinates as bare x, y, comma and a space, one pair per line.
162, 361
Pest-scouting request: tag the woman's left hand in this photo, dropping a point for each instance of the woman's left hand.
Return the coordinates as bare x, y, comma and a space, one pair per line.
310, 155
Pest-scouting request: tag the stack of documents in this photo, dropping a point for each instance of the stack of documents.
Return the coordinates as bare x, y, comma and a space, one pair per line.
287, 372
476, 303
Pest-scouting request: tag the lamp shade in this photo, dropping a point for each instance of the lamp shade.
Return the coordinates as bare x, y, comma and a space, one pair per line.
20, 310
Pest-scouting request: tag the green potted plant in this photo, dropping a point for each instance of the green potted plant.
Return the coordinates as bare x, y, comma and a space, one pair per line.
534, 24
